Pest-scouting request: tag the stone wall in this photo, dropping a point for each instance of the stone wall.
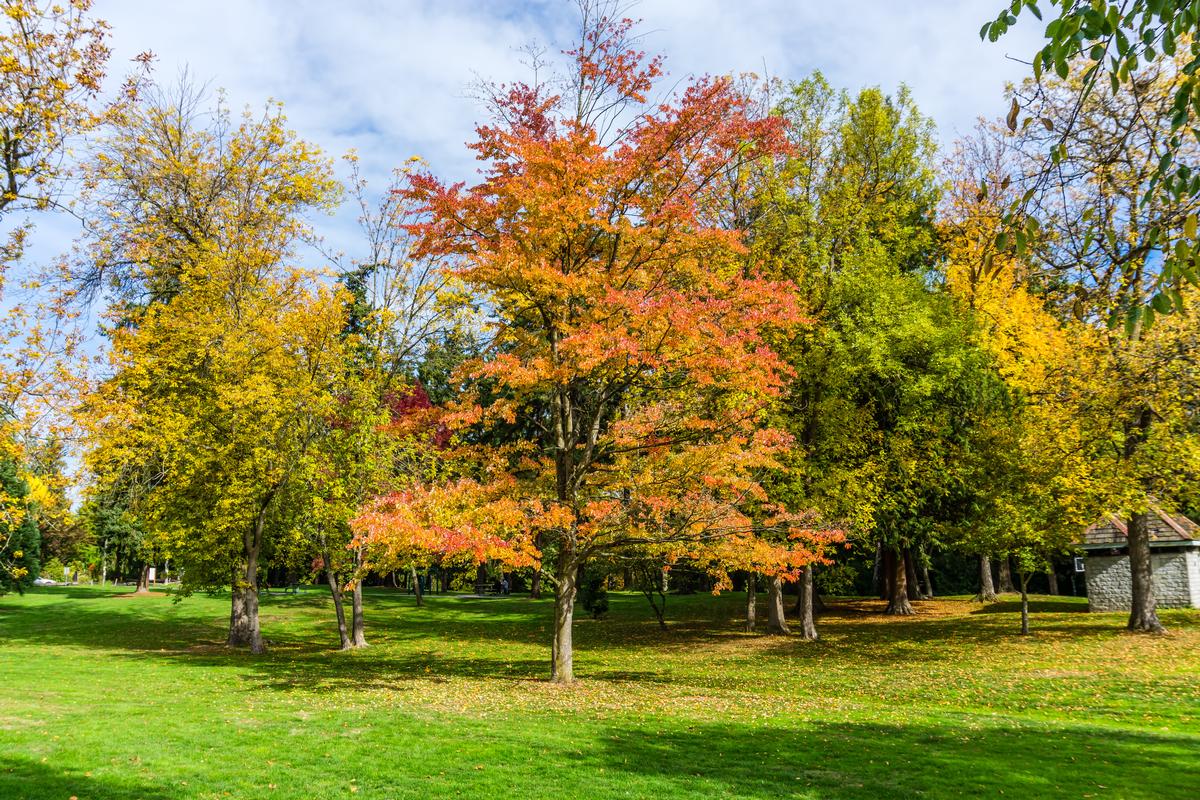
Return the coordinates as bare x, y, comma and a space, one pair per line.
1176, 580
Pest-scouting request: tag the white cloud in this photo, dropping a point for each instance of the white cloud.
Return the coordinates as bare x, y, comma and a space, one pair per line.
390, 79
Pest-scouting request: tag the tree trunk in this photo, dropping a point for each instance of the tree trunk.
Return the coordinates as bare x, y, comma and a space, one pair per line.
143, 584
1024, 604
927, 594
776, 622
535, 584
898, 604
808, 627
751, 601
987, 590
910, 575
243, 616
880, 573
335, 590
358, 632
562, 667
416, 582
1143, 611
1006, 581
1052, 579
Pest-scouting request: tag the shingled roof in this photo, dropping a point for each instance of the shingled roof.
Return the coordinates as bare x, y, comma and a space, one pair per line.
1164, 527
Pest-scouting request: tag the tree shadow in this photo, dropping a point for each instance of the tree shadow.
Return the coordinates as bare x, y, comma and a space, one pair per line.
855, 761
1035, 607
25, 779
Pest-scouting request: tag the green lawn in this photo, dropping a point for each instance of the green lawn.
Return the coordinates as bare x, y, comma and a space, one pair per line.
116, 697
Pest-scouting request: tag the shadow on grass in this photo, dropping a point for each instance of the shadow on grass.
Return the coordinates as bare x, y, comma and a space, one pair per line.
1035, 607
24, 779
852, 761
410, 641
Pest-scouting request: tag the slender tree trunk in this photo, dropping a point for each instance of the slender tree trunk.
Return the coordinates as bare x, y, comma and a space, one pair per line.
358, 632
535, 585
898, 604
1024, 578
808, 627
1052, 579
1006, 581
1143, 611
339, 608
910, 575
927, 594
416, 582
987, 590
751, 601
562, 656
776, 622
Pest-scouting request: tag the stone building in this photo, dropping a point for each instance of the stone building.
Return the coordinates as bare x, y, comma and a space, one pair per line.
1174, 562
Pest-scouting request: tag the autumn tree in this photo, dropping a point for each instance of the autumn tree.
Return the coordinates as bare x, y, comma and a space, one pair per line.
1101, 256
1037, 484
219, 347
624, 323
53, 58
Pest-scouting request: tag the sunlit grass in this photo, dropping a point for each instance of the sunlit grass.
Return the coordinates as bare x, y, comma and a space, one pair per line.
114, 696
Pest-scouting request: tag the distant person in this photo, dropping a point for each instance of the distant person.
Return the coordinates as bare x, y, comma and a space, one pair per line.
504, 585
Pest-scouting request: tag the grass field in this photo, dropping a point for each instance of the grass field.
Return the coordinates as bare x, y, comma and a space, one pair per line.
115, 697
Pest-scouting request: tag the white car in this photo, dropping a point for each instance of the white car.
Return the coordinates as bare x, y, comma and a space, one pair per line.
43, 582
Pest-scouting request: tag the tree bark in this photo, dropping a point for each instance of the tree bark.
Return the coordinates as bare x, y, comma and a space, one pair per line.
927, 594
910, 576
751, 601
562, 655
776, 622
808, 626
243, 614
416, 582
143, 584
898, 604
987, 590
1143, 610
1052, 579
358, 633
1006, 581
339, 608
1024, 604
880, 574
243, 617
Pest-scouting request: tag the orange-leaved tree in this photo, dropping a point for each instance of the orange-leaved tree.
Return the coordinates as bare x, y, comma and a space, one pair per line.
628, 338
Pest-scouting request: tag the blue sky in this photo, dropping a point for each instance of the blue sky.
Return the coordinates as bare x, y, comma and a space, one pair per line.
390, 78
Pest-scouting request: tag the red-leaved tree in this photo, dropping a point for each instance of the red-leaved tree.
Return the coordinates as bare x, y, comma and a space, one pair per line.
629, 339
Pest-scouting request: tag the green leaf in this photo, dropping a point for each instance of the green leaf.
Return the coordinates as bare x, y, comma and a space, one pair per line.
1132, 317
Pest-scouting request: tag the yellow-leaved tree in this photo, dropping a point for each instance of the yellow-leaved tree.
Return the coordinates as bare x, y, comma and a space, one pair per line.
224, 355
